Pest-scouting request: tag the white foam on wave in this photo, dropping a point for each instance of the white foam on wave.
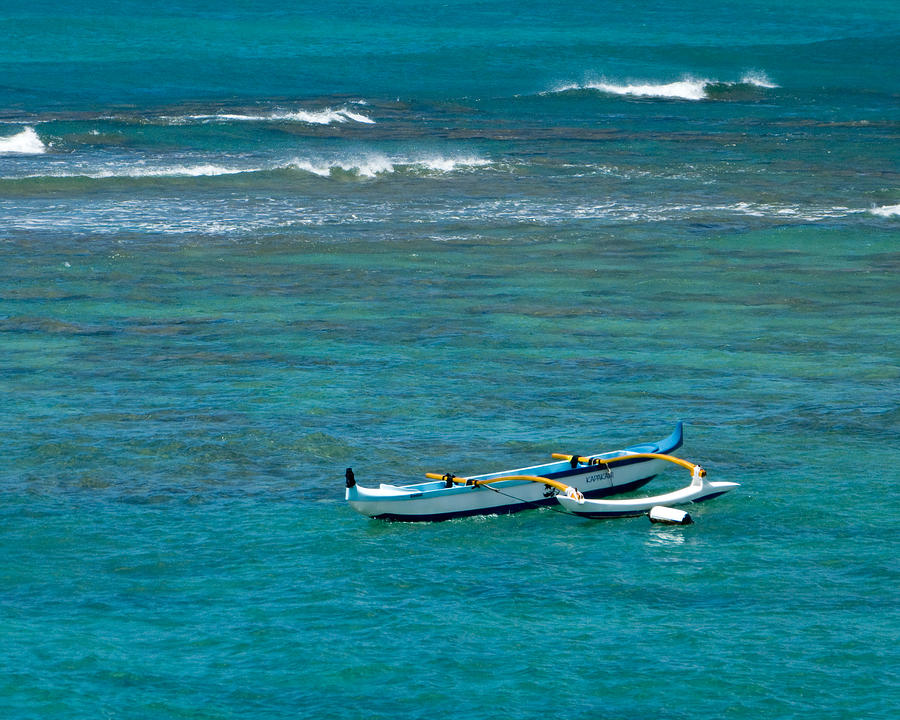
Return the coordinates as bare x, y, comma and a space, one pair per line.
886, 211
808, 213
201, 170
375, 165
619, 211
366, 165
449, 164
326, 116
688, 88
26, 142
357, 117
141, 171
683, 89
239, 214
758, 78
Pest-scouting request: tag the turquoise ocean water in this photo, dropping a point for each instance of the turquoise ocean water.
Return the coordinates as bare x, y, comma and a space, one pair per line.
243, 247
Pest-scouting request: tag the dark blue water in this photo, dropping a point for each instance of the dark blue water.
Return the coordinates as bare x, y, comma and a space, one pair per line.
242, 249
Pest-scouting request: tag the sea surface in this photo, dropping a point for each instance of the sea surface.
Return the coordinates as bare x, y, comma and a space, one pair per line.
244, 246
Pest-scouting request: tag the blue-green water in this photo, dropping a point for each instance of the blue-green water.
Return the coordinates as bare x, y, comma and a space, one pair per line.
244, 248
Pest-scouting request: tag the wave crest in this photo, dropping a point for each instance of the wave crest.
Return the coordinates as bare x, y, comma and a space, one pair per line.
369, 165
759, 79
688, 88
326, 116
26, 142
886, 211
173, 171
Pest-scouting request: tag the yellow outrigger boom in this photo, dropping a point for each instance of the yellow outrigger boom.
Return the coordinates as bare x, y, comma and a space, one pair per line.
659, 456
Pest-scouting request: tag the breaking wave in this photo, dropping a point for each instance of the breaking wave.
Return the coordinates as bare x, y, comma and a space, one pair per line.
362, 166
370, 166
758, 79
201, 170
886, 211
326, 116
688, 88
26, 142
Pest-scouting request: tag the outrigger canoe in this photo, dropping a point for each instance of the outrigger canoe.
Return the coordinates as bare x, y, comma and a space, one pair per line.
580, 478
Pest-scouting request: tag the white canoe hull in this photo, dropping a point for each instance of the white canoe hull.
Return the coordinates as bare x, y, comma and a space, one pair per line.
435, 501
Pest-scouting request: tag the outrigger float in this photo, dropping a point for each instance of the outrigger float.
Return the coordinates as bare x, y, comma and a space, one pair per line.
576, 482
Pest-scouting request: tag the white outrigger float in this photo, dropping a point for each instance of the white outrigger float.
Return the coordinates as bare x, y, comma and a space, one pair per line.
699, 490
574, 481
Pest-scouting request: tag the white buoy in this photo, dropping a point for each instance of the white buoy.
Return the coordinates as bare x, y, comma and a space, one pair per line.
669, 516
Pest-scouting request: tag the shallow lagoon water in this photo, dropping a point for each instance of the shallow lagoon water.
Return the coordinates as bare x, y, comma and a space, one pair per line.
219, 291
177, 544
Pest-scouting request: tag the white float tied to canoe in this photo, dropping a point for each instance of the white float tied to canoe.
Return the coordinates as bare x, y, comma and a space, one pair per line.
576, 478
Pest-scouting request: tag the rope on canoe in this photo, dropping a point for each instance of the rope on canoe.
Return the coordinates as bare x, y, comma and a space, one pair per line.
554, 508
565, 489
